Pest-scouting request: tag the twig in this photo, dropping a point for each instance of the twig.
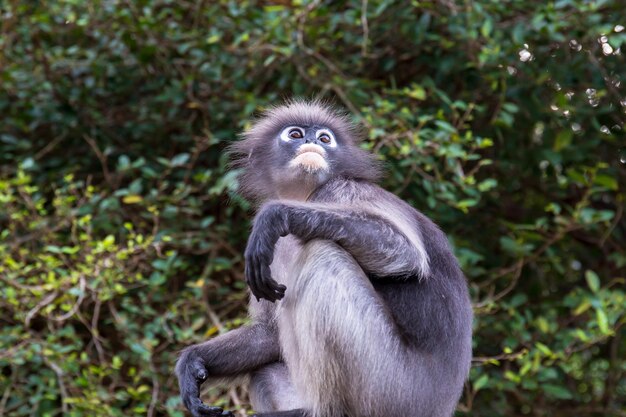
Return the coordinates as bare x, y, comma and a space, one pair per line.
81, 297
102, 158
59, 372
50, 146
19, 286
366, 29
37, 235
114, 313
614, 223
44, 302
613, 371
7, 353
93, 329
493, 298
309, 51
95, 333
344, 97
155, 390
232, 392
7, 391
557, 236
215, 319
504, 356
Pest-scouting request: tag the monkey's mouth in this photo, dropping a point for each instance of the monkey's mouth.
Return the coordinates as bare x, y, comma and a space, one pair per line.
311, 158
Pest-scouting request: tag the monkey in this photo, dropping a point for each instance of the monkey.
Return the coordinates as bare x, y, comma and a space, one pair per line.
358, 306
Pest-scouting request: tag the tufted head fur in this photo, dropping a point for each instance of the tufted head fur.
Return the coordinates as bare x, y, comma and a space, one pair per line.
258, 157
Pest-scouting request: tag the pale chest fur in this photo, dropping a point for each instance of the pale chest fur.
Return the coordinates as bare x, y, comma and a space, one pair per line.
286, 253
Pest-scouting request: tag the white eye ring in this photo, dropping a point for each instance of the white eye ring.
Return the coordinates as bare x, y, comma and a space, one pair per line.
284, 135
321, 132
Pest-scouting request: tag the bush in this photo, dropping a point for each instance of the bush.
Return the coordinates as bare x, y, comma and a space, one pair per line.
121, 231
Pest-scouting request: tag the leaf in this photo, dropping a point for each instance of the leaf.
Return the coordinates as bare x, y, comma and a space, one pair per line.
487, 185
543, 325
563, 139
123, 162
486, 28
582, 307
180, 159
274, 8
481, 382
213, 39
603, 321
132, 199
543, 349
463, 205
581, 335
417, 92
606, 181
53, 249
512, 376
592, 280
557, 391
445, 126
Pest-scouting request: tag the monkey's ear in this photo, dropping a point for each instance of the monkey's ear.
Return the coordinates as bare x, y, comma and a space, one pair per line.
248, 159
357, 163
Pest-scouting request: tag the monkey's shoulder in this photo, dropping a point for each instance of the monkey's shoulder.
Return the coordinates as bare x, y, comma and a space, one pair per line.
369, 196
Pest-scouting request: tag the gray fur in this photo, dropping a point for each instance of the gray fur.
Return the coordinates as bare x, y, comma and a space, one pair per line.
255, 153
374, 317
271, 389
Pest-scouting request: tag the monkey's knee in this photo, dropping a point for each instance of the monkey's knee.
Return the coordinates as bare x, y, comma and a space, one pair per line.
324, 264
289, 413
271, 389
332, 318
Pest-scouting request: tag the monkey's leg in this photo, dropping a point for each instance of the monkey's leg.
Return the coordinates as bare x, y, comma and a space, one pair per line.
288, 413
236, 352
271, 389
342, 347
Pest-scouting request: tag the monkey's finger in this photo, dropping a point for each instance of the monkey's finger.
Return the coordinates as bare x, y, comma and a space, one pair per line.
268, 293
256, 283
281, 290
209, 411
251, 279
247, 273
251, 272
277, 290
269, 284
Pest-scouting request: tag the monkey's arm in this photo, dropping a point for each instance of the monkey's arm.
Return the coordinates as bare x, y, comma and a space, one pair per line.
236, 352
374, 241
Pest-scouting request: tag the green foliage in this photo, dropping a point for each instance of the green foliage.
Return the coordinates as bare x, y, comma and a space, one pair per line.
121, 233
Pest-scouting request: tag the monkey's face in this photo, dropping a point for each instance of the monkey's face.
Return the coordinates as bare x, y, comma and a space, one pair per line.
307, 150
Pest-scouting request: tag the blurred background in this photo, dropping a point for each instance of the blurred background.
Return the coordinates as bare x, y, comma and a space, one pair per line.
121, 233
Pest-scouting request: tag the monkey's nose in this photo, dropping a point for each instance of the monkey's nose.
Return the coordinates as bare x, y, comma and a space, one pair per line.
310, 138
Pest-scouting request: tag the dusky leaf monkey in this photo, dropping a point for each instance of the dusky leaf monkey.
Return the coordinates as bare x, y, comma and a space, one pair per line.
358, 305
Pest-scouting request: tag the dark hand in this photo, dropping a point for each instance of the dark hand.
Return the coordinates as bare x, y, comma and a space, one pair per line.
191, 374
269, 225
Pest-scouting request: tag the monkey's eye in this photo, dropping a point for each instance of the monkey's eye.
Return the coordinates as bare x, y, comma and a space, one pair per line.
295, 134
325, 138
291, 133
